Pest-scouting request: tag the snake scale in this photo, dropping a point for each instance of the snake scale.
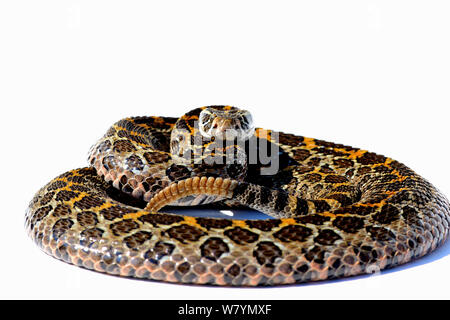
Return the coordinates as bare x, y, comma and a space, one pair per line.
338, 211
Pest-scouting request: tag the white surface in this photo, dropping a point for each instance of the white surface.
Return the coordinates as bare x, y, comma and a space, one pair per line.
372, 74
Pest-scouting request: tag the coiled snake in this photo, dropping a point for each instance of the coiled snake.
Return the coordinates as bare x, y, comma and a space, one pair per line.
340, 211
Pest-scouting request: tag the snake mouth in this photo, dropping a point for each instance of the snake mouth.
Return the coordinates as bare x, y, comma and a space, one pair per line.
231, 124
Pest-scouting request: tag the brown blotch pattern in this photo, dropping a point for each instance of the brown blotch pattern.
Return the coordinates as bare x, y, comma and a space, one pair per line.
364, 170
185, 233
91, 234
316, 254
134, 163
160, 250
156, 157
293, 233
183, 268
109, 163
41, 213
61, 210
348, 224
357, 210
241, 236
137, 239
301, 154
123, 227
326, 169
61, 226
388, 214
313, 177
46, 198
209, 223
267, 252
290, 139
115, 211
321, 205
343, 163
411, 215
123, 146
327, 237
87, 218
57, 185
213, 248
157, 218
380, 233
369, 158
263, 225
178, 172
234, 270
66, 195
80, 188
332, 178
88, 202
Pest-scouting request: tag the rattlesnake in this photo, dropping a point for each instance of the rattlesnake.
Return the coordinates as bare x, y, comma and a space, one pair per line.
339, 211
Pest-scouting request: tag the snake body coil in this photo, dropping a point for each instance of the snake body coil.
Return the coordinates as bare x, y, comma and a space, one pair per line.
339, 211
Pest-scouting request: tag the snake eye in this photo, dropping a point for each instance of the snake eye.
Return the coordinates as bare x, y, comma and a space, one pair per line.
180, 138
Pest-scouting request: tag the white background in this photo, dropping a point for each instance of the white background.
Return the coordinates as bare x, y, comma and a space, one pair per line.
371, 74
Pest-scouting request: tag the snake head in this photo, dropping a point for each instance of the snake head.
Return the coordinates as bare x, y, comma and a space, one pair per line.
213, 136
226, 123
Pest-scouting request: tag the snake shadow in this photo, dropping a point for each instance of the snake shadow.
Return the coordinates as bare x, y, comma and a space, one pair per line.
240, 214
